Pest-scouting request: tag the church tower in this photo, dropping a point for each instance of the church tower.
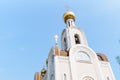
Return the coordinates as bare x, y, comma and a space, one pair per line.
75, 60
71, 35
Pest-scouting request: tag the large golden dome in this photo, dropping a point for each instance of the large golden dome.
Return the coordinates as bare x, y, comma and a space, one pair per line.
69, 15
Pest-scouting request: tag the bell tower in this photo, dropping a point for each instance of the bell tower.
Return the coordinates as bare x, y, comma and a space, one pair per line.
71, 35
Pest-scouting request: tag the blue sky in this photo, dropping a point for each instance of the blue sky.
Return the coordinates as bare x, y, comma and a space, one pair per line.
27, 28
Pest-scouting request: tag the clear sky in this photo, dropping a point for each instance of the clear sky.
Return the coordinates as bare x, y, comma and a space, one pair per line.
27, 28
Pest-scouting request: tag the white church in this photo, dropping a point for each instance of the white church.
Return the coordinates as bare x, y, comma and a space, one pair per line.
75, 60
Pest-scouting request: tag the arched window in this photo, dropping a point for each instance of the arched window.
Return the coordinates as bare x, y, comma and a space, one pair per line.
65, 44
77, 39
52, 59
64, 77
83, 56
52, 77
69, 24
108, 78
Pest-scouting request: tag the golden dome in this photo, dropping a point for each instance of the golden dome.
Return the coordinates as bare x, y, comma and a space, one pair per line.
69, 15
43, 71
47, 62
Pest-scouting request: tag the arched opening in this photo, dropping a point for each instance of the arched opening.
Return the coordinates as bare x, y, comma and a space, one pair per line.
65, 44
52, 77
83, 56
108, 78
69, 24
65, 78
77, 39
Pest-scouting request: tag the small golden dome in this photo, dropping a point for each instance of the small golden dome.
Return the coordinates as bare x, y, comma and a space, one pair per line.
47, 62
69, 15
43, 71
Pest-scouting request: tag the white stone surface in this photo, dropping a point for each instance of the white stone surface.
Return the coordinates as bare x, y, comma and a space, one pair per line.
70, 67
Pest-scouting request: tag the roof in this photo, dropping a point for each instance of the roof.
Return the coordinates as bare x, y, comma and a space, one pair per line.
38, 76
102, 57
60, 52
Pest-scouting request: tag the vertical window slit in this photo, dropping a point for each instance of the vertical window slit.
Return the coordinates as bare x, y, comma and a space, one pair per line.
65, 43
77, 40
65, 78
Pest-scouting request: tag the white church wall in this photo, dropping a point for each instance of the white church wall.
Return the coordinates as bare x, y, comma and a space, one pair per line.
106, 70
88, 67
62, 68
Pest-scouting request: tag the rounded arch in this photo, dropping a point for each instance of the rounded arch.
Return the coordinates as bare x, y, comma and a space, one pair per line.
83, 56
77, 32
94, 60
73, 51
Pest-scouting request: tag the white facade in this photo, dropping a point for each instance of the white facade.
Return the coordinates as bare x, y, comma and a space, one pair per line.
76, 60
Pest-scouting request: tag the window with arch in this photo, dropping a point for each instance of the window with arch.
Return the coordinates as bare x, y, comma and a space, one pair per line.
65, 43
69, 24
52, 59
64, 77
108, 78
52, 77
83, 56
77, 39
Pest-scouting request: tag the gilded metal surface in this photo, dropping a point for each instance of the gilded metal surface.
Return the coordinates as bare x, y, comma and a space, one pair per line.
69, 15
